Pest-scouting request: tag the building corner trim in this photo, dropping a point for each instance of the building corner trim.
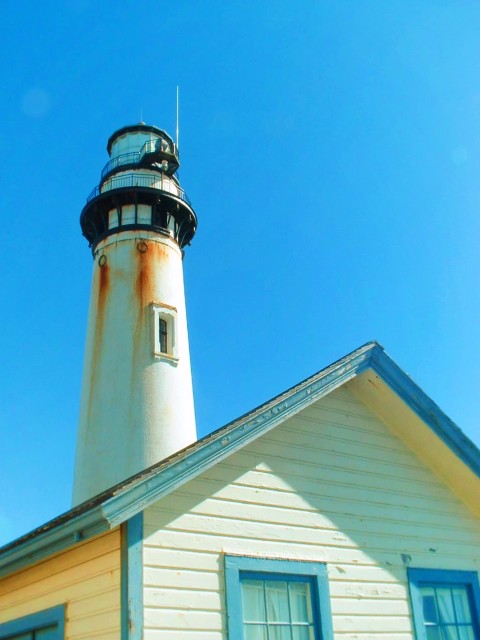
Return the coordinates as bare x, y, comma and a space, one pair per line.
132, 578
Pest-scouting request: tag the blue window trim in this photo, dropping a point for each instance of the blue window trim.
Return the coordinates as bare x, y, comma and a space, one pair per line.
36, 621
278, 569
438, 577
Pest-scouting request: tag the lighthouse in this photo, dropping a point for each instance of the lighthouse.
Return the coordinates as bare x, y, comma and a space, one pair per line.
137, 398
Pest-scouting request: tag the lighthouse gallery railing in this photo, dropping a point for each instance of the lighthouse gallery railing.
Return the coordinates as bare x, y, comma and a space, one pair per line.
153, 181
133, 157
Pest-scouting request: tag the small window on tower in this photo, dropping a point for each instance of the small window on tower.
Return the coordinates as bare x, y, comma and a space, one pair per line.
165, 332
163, 335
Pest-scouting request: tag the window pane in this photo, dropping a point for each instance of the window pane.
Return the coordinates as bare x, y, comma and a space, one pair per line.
300, 602
450, 632
46, 634
255, 632
445, 605
277, 602
430, 612
253, 601
433, 633
304, 633
163, 335
466, 633
462, 605
279, 632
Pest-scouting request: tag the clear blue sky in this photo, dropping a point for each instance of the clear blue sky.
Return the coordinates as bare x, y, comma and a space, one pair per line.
332, 153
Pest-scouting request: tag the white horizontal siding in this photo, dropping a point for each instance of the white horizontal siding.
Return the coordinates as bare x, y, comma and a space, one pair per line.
159, 633
332, 484
194, 619
167, 598
328, 472
251, 516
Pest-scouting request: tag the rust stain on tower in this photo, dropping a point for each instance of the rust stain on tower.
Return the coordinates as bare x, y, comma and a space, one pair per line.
103, 276
143, 282
149, 261
137, 402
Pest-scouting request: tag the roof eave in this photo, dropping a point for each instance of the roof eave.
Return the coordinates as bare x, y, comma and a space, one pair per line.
45, 541
135, 494
229, 439
426, 409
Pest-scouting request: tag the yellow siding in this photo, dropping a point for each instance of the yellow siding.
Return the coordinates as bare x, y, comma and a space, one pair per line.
333, 484
86, 578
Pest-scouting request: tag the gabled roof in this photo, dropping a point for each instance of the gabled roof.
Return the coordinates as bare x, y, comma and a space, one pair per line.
121, 502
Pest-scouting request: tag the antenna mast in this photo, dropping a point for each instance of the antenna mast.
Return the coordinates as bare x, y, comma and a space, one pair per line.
177, 120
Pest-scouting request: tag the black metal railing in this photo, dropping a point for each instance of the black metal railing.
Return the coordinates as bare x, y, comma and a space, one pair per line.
136, 157
152, 181
125, 158
159, 144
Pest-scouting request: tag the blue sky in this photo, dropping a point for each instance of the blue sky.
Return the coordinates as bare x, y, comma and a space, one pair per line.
331, 151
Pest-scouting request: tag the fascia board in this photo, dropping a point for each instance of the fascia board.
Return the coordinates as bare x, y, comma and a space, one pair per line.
84, 526
125, 505
429, 412
66, 531
132, 499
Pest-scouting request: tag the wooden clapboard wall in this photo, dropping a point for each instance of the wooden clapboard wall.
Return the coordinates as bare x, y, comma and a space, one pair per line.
332, 484
86, 578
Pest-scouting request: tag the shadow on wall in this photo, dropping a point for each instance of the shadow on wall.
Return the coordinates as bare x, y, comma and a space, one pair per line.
332, 484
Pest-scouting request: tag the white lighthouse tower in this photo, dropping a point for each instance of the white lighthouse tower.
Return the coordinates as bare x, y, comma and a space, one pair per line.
137, 399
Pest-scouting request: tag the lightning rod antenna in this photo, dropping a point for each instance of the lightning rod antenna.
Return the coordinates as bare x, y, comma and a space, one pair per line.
177, 136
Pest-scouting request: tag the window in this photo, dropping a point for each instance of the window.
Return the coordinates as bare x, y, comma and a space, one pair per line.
165, 332
45, 625
445, 604
277, 599
163, 335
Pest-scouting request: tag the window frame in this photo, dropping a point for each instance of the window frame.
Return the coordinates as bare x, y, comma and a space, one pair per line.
35, 622
436, 578
261, 568
169, 315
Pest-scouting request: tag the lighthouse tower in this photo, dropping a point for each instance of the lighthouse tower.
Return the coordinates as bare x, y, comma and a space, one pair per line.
137, 399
